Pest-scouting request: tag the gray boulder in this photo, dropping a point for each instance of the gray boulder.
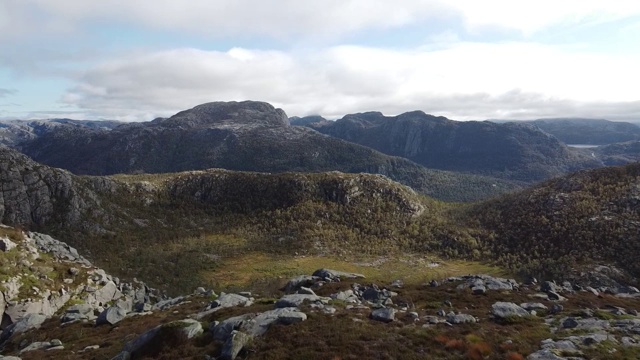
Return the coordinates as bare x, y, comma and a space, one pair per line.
295, 300
505, 310
6, 244
550, 286
186, 327
112, 316
302, 280
222, 330
261, 323
460, 319
231, 300
533, 306
26, 323
165, 304
78, 312
383, 314
334, 275
234, 344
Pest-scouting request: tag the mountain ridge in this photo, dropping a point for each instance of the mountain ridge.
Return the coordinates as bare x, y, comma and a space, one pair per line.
511, 151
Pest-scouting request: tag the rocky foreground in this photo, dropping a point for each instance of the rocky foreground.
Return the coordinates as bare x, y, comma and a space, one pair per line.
58, 305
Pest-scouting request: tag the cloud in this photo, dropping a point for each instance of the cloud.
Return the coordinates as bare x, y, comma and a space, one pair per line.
7, 92
294, 19
465, 81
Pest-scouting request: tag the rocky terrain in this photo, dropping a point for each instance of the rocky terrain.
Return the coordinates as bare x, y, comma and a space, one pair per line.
512, 151
245, 136
58, 305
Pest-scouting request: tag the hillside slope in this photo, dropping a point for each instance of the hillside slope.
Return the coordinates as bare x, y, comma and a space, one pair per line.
591, 217
245, 136
169, 228
511, 151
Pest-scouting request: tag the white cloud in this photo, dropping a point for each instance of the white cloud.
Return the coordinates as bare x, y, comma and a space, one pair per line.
531, 16
464, 81
293, 19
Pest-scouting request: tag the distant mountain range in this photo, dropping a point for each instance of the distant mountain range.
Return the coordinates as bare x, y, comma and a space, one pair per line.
248, 136
586, 131
449, 160
512, 151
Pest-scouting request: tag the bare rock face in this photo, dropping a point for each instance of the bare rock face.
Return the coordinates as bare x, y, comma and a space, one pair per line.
33, 194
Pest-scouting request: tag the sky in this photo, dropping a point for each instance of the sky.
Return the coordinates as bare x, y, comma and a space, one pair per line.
135, 60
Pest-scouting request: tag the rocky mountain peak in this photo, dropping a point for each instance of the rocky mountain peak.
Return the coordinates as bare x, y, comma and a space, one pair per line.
229, 114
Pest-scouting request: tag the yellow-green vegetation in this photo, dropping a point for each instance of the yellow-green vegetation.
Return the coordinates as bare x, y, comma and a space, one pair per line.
193, 224
254, 268
175, 230
14, 234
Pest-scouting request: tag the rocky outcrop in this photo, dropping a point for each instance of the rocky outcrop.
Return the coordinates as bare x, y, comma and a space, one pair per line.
81, 287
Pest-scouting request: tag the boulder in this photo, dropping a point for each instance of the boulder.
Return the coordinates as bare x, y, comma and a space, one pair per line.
533, 306
550, 286
105, 294
302, 280
6, 244
383, 314
78, 312
261, 323
222, 330
234, 344
505, 310
478, 290
334, 275
112, 316
165, 304
460, 319
186, 327
26, 323
230, 300
295, 300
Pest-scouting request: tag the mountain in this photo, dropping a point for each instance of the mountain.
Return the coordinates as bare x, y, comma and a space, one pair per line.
618, 154
246, 136
511, 151
588, 131
591, 217
14, 132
